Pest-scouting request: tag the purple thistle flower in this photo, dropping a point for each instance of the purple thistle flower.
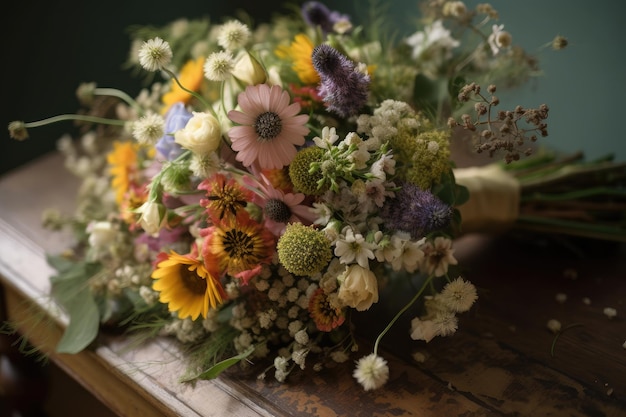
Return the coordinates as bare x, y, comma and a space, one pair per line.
416, 211
316, 14
342, 86
175, 119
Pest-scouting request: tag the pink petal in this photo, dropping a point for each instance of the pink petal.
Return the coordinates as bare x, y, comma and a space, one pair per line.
240, 132
244, 145
286, 151
294, 136
246, 158
247, 106
241, 118
275, 99
290, 110
262, 97
304, 213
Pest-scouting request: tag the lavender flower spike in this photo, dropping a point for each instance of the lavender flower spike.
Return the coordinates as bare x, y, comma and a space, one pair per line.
416, 211
343, 86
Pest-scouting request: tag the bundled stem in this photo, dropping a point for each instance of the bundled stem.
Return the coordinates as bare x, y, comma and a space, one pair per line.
568, 195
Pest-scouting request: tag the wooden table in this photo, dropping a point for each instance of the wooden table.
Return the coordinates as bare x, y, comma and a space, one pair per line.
503, 361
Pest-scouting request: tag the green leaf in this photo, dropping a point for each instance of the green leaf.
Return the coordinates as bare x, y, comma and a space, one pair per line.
60, 263
462, 195
425, 93
84, 323
71, 291
218, 368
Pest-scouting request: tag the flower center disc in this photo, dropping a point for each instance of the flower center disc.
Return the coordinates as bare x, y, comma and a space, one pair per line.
268, 125
238, 244
192, 281
277, 210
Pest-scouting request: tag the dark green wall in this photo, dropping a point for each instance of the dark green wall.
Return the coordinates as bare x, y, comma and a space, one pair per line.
50, 47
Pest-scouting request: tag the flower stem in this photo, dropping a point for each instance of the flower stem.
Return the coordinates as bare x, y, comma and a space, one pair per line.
559, 333
193, 93
114, 92
78, 117
399, 313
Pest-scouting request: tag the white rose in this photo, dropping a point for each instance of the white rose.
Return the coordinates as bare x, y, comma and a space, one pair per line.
359, 288
101, 234
153, 217
201, 135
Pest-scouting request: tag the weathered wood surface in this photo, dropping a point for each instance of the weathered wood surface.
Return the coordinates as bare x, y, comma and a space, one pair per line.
499, 363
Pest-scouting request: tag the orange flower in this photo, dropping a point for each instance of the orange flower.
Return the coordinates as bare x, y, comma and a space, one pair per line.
325, 316
191, 77
123, 166
224, 197
239, 246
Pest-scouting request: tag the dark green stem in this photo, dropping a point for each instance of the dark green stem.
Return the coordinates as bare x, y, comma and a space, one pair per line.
399, 313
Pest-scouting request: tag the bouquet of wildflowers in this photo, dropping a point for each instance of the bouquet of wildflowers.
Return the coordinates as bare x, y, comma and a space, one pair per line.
272, 180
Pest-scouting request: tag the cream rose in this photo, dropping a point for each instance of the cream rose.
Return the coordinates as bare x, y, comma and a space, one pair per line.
249, 70
152, 217
359, 288
201, 135
101, 234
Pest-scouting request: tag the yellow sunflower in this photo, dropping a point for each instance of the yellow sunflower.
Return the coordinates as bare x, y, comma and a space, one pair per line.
299, 52
123, 164
186, 286
191, 77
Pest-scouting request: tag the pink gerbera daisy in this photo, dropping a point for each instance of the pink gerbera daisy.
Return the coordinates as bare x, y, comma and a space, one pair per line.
270, 127
280, 208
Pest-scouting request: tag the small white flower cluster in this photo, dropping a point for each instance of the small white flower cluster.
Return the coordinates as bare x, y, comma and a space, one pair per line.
283, 302
383, 124
440, 320
499, 39
86, 160
432, 47
186, 330
359, 188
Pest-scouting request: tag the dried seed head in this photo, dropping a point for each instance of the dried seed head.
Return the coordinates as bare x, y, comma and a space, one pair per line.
559, 42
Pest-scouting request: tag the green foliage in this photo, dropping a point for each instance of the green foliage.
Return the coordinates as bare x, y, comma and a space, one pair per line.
21, 342
206, 359
218, 368
426, 94
70, 289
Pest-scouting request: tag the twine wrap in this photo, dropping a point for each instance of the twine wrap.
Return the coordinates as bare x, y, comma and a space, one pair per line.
494, 201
